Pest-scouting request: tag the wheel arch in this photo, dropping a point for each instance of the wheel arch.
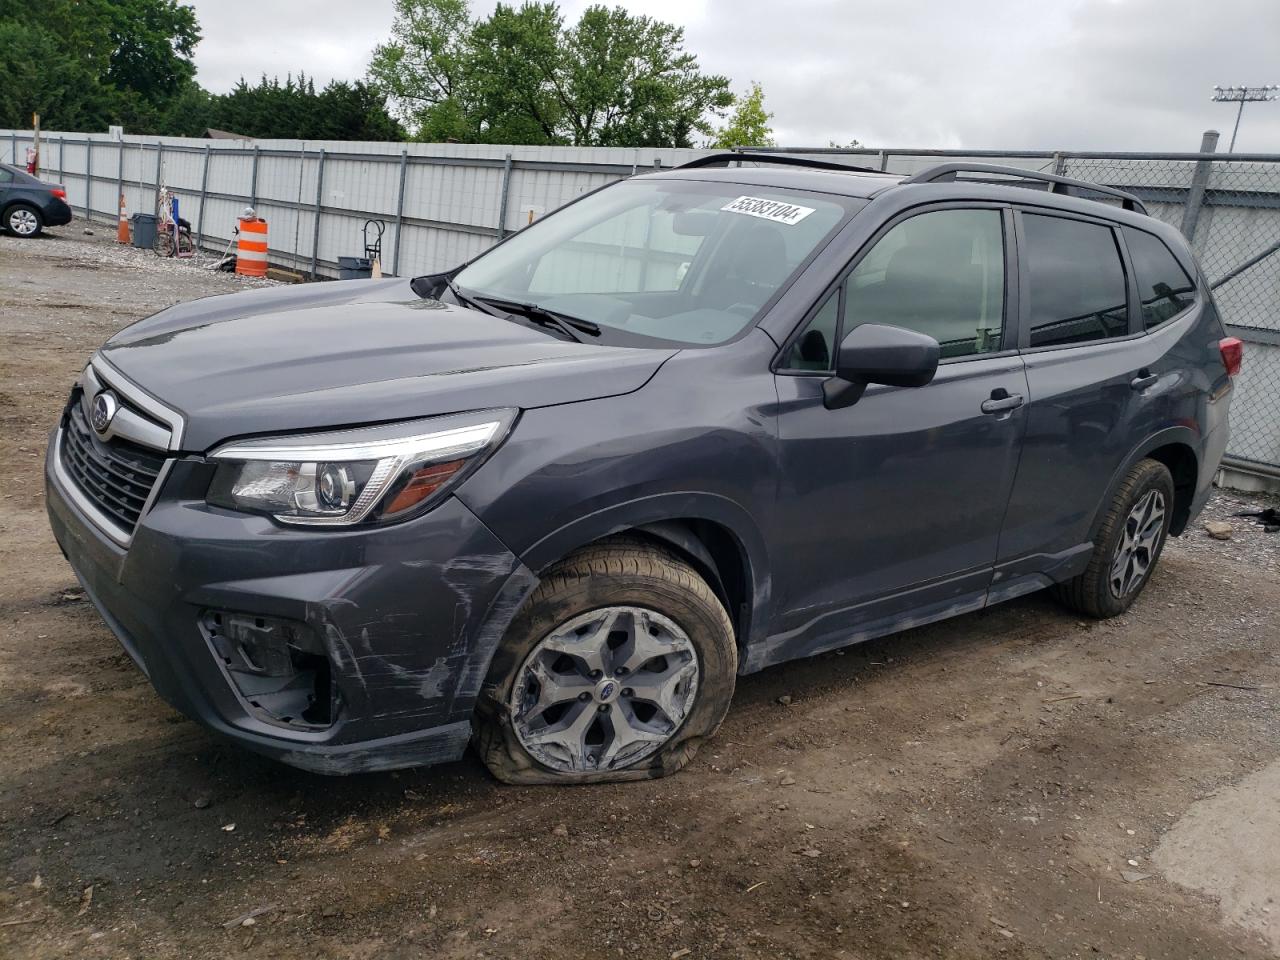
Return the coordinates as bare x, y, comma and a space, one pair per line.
1176, 448
714, 535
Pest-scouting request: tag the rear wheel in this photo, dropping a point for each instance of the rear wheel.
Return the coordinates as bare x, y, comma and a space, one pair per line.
1127, 546
621, 663
23, 221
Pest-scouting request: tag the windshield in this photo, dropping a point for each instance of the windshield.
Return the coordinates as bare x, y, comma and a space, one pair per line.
685, 261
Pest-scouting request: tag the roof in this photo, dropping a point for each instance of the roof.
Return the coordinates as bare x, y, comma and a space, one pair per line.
939, 182
854, 183
211, 134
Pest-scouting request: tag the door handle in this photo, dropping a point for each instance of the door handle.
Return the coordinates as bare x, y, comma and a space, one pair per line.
1143, 380
999, 404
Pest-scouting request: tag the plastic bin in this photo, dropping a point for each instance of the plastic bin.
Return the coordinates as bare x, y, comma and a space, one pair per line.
144, 230
354, 268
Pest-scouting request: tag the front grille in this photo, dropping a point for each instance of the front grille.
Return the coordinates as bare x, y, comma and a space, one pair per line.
116, 475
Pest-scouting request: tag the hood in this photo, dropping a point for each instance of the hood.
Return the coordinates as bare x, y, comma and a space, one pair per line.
350, 353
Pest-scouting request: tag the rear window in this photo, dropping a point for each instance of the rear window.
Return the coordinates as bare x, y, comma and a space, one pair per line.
1076, 279
1164, 286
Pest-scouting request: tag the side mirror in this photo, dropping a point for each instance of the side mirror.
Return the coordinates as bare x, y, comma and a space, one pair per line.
873, 353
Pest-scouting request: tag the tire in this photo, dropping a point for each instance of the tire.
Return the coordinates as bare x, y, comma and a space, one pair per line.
627, 599
23, 220
163, 244
1136, 524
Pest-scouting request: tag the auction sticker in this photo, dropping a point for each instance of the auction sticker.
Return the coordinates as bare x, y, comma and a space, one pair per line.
775, 210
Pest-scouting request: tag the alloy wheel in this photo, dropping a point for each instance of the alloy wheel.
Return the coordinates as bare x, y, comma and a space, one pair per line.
604, 690
1139, 541
23, 222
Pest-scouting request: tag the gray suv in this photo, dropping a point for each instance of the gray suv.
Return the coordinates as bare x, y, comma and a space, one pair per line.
691, 425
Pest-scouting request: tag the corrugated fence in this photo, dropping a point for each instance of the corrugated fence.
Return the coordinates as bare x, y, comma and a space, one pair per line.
445, 203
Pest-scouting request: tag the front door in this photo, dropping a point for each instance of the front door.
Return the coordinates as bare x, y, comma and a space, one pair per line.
889, 511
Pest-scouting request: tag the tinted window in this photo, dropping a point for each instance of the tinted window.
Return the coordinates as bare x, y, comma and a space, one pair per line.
5, 176
940, 273
1164, 286
1077, 281
816, 348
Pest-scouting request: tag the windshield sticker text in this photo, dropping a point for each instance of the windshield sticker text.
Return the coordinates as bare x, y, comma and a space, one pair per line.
774, 210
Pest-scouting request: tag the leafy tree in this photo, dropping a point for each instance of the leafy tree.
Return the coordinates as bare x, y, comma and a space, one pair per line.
629, 82
748, 125
422, 66
90, 63
42, 75
341, 111
523, 75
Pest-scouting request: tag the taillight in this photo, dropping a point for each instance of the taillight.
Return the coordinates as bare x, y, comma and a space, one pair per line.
59, 193
1232, 350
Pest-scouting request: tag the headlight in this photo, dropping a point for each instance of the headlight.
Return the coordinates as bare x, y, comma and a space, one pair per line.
349, 476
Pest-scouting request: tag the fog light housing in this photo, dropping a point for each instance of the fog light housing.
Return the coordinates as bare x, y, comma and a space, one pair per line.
278, 666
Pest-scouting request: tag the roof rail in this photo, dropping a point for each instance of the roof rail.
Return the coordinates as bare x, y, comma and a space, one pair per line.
724, 159
1065, 185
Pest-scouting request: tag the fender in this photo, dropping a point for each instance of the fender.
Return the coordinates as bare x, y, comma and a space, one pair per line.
666, 507
1178, 434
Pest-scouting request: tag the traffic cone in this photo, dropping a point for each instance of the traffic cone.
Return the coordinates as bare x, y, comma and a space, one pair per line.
122, 231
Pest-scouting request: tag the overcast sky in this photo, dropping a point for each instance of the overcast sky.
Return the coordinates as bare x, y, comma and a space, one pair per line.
1034, 74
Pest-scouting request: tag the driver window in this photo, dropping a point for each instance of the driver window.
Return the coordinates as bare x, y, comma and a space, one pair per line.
939, 273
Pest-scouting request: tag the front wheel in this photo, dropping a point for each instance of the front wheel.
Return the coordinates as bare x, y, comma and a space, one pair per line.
621, 663
1127, 546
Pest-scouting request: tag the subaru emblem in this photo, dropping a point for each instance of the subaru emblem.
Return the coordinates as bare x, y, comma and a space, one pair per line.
103, 411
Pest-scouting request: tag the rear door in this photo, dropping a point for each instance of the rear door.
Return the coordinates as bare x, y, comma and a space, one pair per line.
890, 509
1096, 387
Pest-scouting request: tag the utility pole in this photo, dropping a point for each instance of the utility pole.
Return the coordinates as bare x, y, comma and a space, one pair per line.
1242, 95
34, 166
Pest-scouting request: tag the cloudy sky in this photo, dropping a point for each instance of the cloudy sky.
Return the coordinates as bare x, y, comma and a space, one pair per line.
1034, 74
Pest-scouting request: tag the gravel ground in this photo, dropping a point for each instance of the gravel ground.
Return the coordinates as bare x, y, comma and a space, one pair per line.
1015, 783
1250, 543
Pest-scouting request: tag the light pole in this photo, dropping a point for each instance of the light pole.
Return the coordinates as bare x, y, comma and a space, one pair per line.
1242, 95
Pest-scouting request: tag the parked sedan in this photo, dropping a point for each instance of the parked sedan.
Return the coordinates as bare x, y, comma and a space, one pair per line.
28, 204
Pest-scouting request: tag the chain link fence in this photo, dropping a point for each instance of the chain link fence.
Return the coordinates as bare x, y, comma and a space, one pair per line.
1230, 212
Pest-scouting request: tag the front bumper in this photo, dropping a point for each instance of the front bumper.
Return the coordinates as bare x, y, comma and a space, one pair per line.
407, 615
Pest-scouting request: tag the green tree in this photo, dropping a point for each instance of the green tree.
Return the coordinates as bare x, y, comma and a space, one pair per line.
89, 63
341, 111
748, 125
422, 66
523, 75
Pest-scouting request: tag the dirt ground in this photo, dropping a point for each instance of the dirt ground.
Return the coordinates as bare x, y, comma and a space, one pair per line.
1013, 783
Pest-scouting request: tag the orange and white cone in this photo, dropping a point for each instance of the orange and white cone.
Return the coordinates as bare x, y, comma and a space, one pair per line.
122, 231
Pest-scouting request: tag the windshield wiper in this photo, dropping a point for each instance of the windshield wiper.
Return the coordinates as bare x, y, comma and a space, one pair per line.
469, 301
563, 322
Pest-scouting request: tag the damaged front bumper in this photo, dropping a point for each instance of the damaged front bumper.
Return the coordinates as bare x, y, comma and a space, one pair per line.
336, 652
